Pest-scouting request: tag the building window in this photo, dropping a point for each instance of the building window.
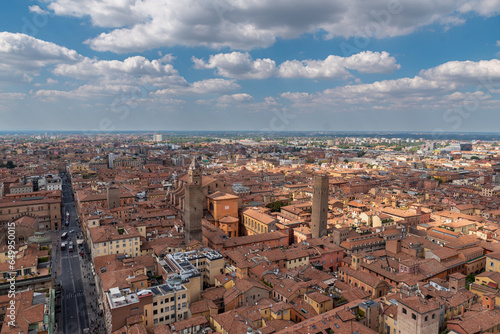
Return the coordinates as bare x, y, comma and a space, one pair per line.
413, 316
433, 316
404, 310
426, 318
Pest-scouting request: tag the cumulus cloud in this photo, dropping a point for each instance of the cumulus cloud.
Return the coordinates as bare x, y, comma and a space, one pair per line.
240, 101
9, 101
444, 86
244, 103
136, 69
23, 56
485, 8
238, 65
404, 93
107, 13
235, 98
209, 86
483, 72
83, 92
241, 66
26, 52
148, 24
335, 66
456, 87
12, 96
133, 76
36, 9
23, 52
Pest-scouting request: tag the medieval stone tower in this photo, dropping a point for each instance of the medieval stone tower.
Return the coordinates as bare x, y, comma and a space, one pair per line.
193, 206
319, 212
113, 196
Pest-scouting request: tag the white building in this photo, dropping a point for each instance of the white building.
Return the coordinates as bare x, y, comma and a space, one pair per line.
157, 137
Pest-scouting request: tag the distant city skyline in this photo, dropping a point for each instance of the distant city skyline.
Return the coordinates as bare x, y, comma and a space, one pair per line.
258, 65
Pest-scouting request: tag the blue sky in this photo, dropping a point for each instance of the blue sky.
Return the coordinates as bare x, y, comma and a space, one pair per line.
270, 65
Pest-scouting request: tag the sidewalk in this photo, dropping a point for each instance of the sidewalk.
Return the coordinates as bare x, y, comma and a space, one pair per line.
56, 253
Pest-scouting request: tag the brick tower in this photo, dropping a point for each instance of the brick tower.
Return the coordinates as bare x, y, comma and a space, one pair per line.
193, 206
319, 212
113, 196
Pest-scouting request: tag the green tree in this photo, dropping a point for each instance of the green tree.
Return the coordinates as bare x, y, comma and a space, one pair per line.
276, 206
10, 164
471, 278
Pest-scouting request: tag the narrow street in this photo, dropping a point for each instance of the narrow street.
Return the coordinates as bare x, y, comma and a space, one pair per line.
73, 273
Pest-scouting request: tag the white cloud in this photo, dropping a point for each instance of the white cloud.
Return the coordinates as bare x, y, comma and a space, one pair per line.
243, 103
335, 66
239, 24
372, 62
107, 13
130, 79
235, 98
403, 93
238, 65
12, 96
331, 67
26, 52
241, 66
132, 76
136, 69
89, 90
498, 43
23, 56
209, 86
8, 102
240, 101
483, 73
442, 87
485, 8
36, 9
